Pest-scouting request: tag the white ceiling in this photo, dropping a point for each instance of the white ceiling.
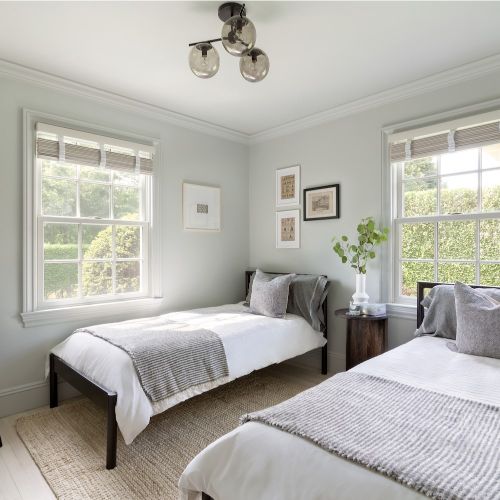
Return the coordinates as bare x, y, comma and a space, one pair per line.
323, 54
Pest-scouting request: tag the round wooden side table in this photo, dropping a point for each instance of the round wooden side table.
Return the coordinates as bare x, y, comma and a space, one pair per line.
366, 337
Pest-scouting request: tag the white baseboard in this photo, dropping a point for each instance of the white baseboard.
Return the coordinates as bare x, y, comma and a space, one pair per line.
28, 396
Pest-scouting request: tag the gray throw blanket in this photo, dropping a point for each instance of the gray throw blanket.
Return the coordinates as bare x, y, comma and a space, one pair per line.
441, 446
169, 357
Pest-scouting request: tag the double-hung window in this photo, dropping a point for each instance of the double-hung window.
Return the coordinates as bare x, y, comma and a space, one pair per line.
91, 219
446, 207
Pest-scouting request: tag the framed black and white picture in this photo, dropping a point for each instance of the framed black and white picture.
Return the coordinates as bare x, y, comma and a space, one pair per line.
288, 186
288, 229
201, 207
322, 202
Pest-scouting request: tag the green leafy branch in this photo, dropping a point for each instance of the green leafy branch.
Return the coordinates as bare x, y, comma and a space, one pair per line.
358, 255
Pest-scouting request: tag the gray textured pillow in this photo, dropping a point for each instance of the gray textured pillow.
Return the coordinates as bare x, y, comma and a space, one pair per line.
478, 322
305, 297
440, 319
270, 297
264, 276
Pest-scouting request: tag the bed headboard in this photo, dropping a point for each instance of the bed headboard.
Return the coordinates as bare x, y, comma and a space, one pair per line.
427, 285
248, 275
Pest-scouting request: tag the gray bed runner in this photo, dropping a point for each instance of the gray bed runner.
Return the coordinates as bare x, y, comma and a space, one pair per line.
441, 446
169, 357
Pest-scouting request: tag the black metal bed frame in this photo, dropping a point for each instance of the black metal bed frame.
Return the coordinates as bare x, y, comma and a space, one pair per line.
324, 329
107, 399
427, 285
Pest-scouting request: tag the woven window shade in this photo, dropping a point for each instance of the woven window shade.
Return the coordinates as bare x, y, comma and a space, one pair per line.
93, 155
464, 138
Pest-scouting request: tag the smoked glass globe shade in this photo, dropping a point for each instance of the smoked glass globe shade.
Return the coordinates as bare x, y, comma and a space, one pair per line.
238, 35
204, 60
254, 65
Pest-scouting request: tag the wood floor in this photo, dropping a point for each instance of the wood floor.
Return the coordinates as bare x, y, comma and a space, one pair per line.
19, 475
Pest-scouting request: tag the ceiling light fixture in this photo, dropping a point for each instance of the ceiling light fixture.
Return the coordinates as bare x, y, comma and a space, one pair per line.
238, 38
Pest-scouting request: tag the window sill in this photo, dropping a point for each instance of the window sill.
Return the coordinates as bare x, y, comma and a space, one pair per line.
90, 311
404, 311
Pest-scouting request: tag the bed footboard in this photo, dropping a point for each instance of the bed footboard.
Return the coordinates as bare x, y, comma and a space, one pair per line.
100, 395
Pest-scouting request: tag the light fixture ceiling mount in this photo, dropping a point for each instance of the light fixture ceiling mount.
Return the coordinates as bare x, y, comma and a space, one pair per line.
238, 38
231, 9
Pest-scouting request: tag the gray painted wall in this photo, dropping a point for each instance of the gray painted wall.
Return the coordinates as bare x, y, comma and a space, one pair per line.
347, 151
207, 269
198, 269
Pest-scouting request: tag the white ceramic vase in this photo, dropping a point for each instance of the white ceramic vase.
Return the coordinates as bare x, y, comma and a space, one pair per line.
360, 296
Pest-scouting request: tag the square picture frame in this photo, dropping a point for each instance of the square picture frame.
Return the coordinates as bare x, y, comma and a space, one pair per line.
201, 207
288, 229
288, 186
322, 202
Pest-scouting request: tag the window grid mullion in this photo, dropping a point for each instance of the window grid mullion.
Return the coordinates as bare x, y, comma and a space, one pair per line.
111, 195
478, 222
399, 190
438, 187
449, 217
80, 261
436, 223
113, 259
78, 212
89, 220
436, 250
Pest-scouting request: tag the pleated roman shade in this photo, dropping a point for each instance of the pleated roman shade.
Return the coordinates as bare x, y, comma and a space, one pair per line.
82, 148
444, 142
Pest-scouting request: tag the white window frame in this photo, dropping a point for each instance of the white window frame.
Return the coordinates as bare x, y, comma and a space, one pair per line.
37, 311
406, 307
399, 220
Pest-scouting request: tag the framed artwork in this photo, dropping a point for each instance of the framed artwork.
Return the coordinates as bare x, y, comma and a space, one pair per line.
288, 186
201, 207
322, 202
288, 229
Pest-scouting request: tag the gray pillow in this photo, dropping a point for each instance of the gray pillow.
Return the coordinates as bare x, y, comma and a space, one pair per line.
264, 276
478, 322
440, 319
270, 297
306, 296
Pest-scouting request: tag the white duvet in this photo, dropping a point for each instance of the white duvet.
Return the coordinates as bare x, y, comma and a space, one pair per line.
256, 461
250, 341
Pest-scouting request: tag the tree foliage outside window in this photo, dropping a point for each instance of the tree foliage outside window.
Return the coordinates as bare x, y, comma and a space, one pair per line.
435, 243
84, 257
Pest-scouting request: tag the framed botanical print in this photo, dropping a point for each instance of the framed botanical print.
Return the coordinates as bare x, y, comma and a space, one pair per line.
288, 186
322, 202
201, 207
288, 229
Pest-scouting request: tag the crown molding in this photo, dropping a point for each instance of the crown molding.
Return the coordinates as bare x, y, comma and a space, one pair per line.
467, 72
19, 72
437, 81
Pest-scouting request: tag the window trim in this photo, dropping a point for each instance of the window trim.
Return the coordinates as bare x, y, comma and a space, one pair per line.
34, 313
389, 252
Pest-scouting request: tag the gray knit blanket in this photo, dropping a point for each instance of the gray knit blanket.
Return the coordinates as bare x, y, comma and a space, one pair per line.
442, 446
169, 357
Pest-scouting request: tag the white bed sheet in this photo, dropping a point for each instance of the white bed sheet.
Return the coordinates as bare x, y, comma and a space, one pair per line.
250, 341
259, 461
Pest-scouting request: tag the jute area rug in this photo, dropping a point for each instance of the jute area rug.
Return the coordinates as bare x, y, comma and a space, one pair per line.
68, 443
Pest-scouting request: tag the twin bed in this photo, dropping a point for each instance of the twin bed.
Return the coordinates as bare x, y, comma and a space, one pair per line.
105, 373
435, 412
256, 460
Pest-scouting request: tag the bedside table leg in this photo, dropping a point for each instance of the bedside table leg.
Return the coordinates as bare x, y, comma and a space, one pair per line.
324, 359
